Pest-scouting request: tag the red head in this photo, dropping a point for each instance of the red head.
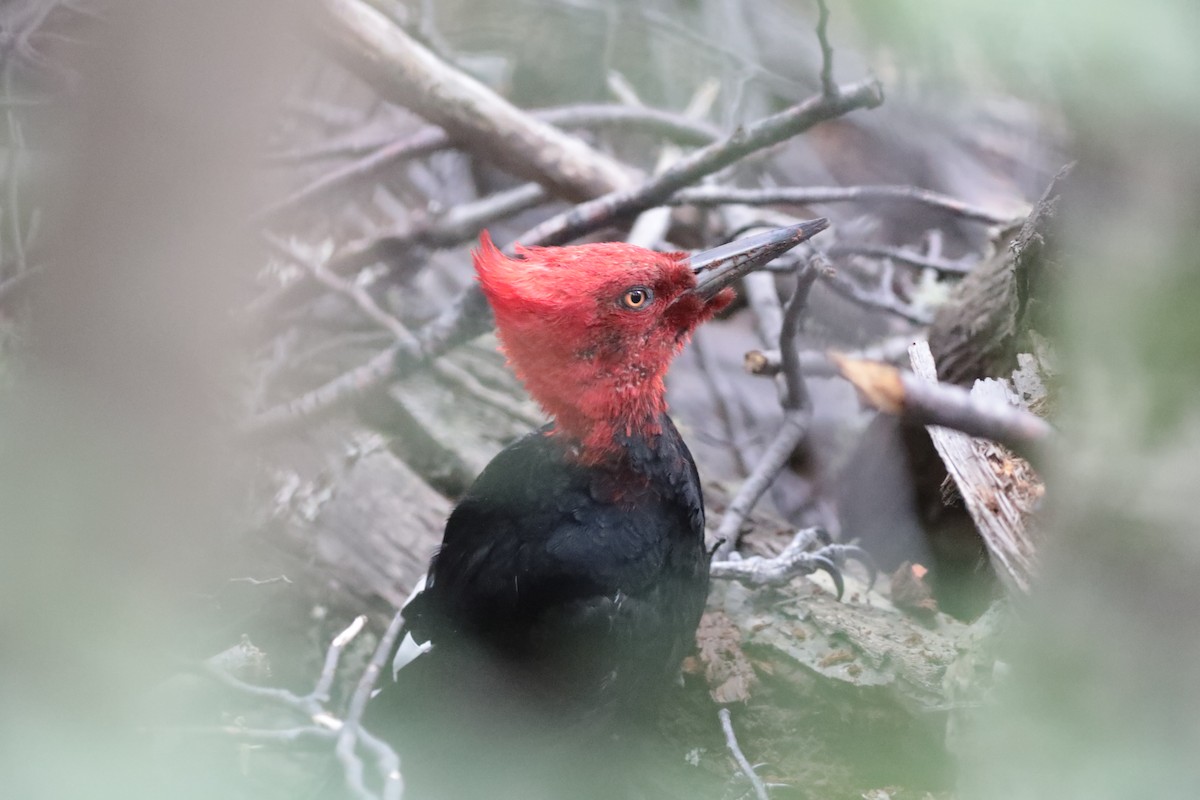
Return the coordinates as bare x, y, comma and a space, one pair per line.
591, 329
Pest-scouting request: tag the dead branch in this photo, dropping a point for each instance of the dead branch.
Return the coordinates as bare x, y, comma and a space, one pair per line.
915, 399
405, 72
815, 195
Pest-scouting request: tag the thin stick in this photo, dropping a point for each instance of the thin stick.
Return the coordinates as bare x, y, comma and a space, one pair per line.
333, 655
812, 195
382, 155
796, 394
351, 731
760, 789
942, 265
774, 458
828, 87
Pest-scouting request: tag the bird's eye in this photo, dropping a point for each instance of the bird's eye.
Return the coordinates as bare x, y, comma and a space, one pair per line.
637, 298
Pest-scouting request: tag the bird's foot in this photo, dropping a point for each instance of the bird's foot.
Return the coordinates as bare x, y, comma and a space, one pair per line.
811, 549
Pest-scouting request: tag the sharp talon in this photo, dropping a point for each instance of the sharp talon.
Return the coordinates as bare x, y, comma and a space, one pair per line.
823, 563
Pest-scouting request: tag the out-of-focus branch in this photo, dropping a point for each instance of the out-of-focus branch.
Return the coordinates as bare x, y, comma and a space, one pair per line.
760, 789
880, 297
903, 394
326, 727
452, 228
405, 72
828, 87
351, 732
942, 265
814, 195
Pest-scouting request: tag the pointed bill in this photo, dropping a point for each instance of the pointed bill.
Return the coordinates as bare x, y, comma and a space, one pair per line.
719, 267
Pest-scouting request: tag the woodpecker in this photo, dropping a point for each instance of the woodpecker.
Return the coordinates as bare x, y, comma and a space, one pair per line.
572, 575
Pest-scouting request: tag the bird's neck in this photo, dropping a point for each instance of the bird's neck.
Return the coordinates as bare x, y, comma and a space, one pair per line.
601, 419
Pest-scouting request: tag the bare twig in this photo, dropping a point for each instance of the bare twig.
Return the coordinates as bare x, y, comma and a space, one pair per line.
405, 72
333, 655
463, 380
452, 228
380, 155
814, 195
469, 315
880, 297
828, 87
326, 726
725, 399
351, 732
308, 734
774, 458
760, 790
942, 265
591, 215
358, 295
912, 398
796, 394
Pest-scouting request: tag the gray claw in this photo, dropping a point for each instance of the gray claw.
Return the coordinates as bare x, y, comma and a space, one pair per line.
822, 562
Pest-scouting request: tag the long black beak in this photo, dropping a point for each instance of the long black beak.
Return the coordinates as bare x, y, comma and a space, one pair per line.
717, 268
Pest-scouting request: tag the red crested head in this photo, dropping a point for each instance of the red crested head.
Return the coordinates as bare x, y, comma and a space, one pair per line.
591, 330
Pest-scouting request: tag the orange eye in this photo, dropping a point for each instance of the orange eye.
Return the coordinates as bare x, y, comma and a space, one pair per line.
637, 298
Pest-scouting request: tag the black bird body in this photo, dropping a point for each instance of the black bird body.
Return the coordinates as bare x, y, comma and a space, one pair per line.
580, 586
